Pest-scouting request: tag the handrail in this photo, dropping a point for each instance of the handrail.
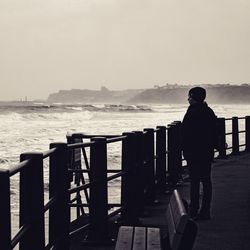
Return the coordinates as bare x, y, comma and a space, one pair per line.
87, 170
49, 152
19, 235
114, 176
80, 145
50, 202
78, 230
71, 204
79, 188
242, 131
116, 139
17, 168
87, 136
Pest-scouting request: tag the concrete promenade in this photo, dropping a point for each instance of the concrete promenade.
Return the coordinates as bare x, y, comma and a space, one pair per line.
229, 228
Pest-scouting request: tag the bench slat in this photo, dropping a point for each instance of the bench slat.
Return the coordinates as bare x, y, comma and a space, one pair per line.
125, 238
139, 238
153, 239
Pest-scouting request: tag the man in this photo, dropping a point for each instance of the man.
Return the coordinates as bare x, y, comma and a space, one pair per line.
199, 139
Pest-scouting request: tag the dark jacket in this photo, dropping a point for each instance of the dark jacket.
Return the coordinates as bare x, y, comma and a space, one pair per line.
199, 132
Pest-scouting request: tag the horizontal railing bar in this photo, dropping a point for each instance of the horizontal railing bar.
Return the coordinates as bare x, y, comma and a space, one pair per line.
87, 170
74, 199
78, 230
80, 145
91, 136
113, 171
230, 133
112, 177
229, 148
78, 205
239, 118
78, 170
20, 234
242, 131
114, 205
161, 155
79, 188
242, 145
107, 136
116, 139
49, 246
87, 205
50, 202
49, 152
117, 211
17, 168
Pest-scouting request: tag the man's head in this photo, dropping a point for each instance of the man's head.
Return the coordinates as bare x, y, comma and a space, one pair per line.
196, 94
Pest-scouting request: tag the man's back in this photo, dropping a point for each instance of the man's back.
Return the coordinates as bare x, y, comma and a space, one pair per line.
199, 131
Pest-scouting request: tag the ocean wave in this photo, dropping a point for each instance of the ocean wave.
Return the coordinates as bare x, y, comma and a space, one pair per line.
128, 108
35, 111
49, 116
4, 161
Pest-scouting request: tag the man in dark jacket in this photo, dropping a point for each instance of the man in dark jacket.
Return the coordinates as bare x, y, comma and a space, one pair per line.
199, 139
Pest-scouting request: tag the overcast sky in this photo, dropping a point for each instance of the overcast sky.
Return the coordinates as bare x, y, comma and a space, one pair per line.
48, 45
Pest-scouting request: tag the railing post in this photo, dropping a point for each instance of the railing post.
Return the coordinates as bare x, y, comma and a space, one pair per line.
59, 213
98, 193
150, 166
235, 136
178, 147
160, 169
32, 202
5, 219
129, 178
140, 173
247, 134
76, 163
221, 131
173, 175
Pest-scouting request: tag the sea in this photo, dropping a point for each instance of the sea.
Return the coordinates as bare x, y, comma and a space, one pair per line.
32, 126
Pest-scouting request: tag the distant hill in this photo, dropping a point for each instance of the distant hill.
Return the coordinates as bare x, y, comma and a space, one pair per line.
224, 94
93, 96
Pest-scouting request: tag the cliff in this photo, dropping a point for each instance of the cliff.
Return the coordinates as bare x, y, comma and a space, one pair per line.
93, 96
220, 94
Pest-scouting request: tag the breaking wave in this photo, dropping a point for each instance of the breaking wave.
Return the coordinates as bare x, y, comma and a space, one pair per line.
42, 110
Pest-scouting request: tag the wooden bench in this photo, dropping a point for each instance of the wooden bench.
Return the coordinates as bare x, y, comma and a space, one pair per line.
181, 231
138, 238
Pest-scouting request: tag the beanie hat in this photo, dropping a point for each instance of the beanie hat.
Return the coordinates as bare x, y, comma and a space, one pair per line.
198, 94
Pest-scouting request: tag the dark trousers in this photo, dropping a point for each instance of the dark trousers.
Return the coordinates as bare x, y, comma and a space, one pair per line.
200, 172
